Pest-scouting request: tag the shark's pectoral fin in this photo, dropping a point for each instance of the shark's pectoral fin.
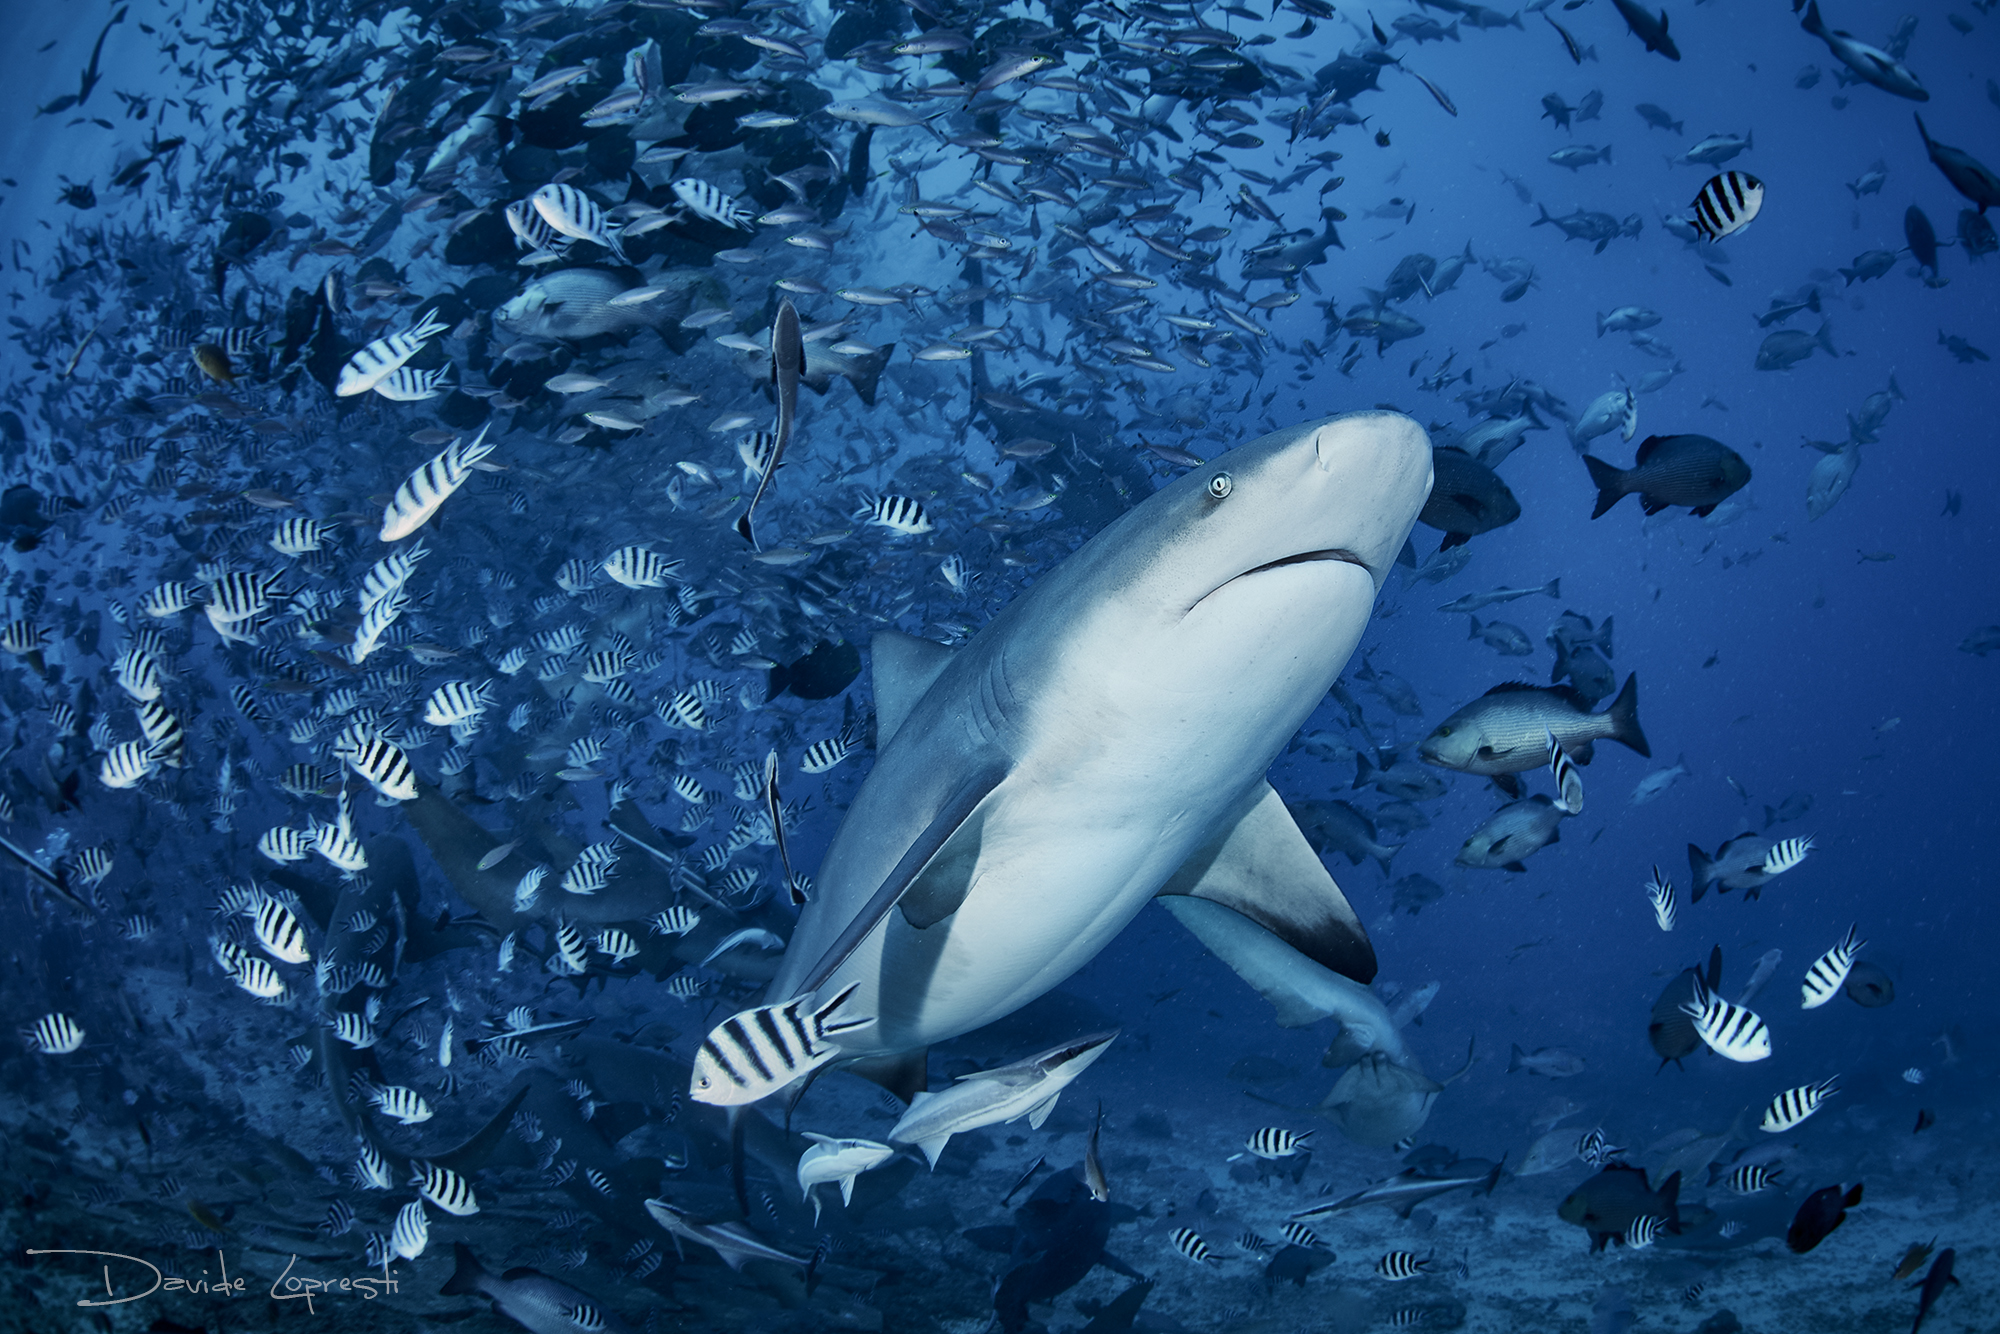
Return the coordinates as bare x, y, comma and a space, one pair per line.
904, 1074
1040, 1112
954, 811
904, 667
1259, 864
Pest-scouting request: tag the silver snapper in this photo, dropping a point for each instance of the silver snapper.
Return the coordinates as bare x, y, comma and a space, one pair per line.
1515, 831
1501, 732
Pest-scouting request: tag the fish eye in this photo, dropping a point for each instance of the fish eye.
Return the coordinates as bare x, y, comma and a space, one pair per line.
1445, 730
1220, 485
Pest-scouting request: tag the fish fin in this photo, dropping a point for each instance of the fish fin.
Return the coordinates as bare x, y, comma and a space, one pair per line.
1517, 866
1624, 715
904, 668
905, 1074
1260, 864
1609, 481
1509, 784
1583, 752
952, 813
932, 1147
1040, 1112
1453, 540
465, 1279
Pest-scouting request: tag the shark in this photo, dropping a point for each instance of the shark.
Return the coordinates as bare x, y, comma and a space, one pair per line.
1103, 740
1028, 1087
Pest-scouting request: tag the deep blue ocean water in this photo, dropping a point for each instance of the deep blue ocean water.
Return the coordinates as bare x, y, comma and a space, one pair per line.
1776, 655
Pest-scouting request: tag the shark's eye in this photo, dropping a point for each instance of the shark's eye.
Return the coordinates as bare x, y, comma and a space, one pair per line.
1445, 730
1220, 485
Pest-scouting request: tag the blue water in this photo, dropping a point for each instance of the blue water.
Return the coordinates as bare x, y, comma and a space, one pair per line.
1776, 655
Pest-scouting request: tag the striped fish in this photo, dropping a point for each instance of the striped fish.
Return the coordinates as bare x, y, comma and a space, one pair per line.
705, 201
257, 977
297, 536
1730, 1031
279, 932
139, 674
445, 1188
389, 574
1273, 1142
283, 844
339, 1219
531, 231
1792, 1106
1727, 204
456, 702
381, 358
1568, 779
617, 943
1397, 1266
1785, 855
1660, 893
164, 735
1752, 1178
169, 599
424, 490
1189, 1243
336, 843
1251, 1244
821, 756
401, 1103
127, 764
639, 567
371, 1169
571, 212
675, 921
353, 1028
412, 1232
378, 760
1644, 1231
569, 948
1595, 1150
407, 384
1298, 1234
92, 865
899, 514
684, 710
1829, 972
757, 1052
56, 1035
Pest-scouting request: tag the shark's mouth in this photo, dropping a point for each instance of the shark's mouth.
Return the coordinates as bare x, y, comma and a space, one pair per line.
1338, 555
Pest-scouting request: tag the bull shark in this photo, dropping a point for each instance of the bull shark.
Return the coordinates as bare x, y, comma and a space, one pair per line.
1104, 739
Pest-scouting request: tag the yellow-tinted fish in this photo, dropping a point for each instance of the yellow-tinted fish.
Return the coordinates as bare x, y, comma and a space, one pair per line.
213, 362
1913, 1259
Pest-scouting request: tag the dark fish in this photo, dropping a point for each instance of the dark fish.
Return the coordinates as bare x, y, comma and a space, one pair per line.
1606, 1205
1824, 1210
1967, 174
1692, 470
1934, 1284
1648, 29
1922, 239
1975, 234
1913, 1259
1671, 1030
1869, 986
1467, 498
1926, 1118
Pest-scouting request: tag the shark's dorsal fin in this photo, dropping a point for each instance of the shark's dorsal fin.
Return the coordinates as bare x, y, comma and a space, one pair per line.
904, 667
1258, 863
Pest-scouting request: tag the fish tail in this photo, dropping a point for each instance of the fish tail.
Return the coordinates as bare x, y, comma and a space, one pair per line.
1610, 484
465, 1280
1702, 868
1624, 716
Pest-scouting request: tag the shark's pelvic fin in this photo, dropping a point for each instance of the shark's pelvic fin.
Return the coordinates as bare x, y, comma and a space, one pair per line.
905, 1074
904, 667
1260, 865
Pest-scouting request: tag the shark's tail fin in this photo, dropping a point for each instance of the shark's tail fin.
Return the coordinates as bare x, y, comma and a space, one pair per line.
465, 1279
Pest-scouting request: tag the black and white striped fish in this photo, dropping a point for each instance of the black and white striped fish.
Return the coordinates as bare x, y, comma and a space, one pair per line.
1660, 893
1251, 1244
1752, 1178
386, 577
1595, 1150
1189, 1243
1644, 1231
675, 921
1730, 1031
1792, 1106
424, 490
640, 567
1829, 972
56, 1035
705, 201
821, 756
278, 931
401, 1103
899, 514
1785, 855
445, 1188
169, 599
1298, 1234
139, 675
238, 595
531, 231
1274, 1142
127, 764
457, 702
571, 212
259, 978
378, 760
1727, 204
407, 384
353, 1028
569, 948
412, 1232
298, 535
616, 942
339, 1219
164, 735
371, 1169
1397, 1266
753, 1054
684, 710
1568, 779
380, 359
1691, 1295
